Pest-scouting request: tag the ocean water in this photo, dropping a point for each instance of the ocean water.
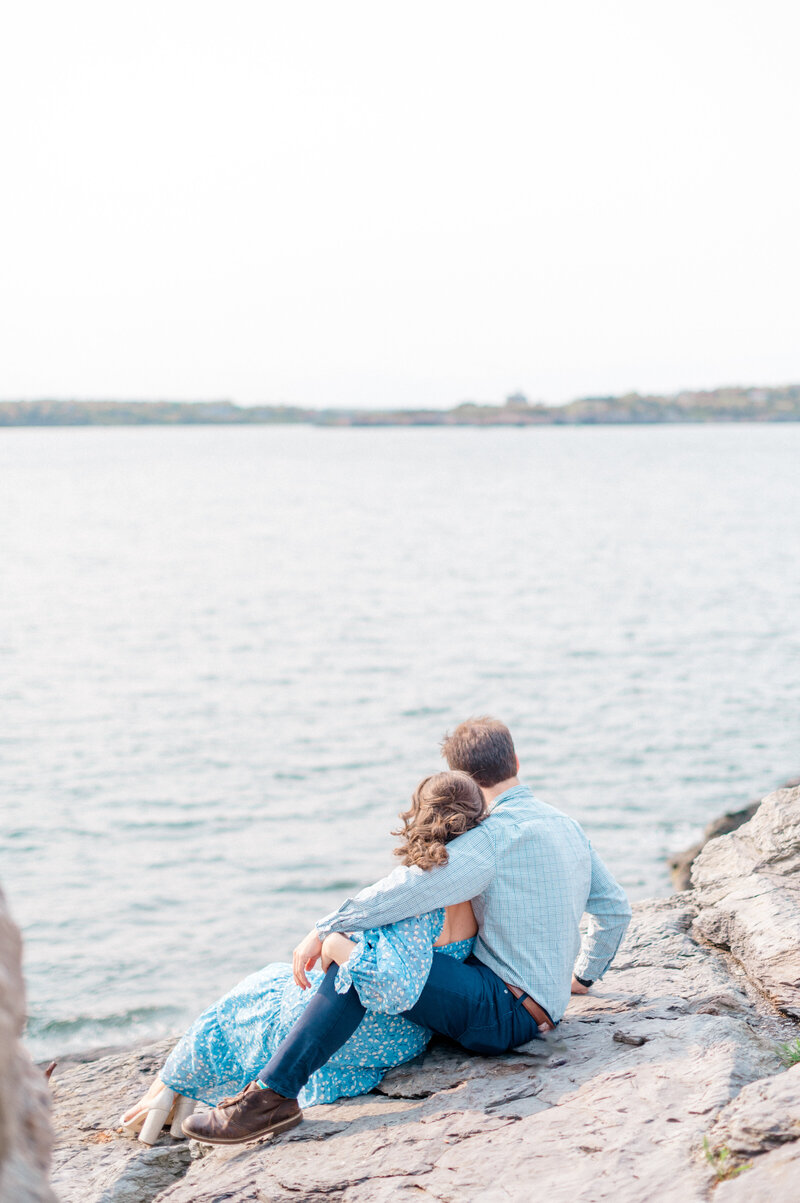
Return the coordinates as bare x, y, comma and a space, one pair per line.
227, 656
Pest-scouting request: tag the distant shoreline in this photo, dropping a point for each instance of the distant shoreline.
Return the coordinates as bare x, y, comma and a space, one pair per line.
730, 404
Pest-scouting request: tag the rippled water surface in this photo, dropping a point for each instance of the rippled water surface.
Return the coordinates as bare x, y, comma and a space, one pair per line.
227, 655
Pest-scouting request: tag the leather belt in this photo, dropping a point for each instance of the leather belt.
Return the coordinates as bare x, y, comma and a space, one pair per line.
543, 1020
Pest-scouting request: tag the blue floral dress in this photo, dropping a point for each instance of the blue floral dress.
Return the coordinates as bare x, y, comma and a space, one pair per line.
231, 1042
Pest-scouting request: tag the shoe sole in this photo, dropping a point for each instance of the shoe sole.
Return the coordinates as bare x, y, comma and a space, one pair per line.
273, 1130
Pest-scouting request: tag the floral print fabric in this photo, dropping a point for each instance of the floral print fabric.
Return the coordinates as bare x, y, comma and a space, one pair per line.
390, 965
230, 1043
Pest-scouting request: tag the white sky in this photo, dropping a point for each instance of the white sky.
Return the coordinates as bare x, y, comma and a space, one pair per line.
412, 204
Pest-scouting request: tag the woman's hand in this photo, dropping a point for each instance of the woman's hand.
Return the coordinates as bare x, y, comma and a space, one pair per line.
305, 957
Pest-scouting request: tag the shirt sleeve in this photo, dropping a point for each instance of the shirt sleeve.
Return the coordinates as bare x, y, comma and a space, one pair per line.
390, 965
609, 915
410, 890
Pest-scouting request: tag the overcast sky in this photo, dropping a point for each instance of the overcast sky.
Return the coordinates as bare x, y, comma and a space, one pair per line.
408, 204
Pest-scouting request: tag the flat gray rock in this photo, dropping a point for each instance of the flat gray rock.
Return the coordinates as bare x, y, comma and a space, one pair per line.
590, 1117
677, 1046
91, 1159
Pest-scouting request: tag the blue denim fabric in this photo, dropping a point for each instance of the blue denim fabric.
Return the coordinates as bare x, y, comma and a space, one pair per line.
463, 1000
468, 1002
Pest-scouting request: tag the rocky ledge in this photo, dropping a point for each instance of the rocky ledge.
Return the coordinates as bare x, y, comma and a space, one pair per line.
664, 1083
25, 1133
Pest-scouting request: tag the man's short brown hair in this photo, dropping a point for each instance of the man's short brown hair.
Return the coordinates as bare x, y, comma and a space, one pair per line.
482, 747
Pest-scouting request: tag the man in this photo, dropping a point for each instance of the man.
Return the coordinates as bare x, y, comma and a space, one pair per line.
530, 873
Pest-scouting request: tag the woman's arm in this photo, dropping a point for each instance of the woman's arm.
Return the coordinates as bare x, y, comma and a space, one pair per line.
336, 947
406, 892
409, 891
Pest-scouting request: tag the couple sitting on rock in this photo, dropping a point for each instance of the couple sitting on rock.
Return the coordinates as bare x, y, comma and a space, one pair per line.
475, 936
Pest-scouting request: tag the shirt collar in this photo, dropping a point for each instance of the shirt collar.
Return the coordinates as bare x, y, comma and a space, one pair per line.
512, 795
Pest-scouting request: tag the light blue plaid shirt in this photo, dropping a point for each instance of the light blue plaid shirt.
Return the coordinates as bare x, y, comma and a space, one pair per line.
530, 873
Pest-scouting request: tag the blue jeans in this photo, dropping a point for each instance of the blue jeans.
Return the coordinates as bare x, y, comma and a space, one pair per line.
461, 999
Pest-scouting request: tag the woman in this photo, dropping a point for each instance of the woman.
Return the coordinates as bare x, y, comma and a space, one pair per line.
227, 1046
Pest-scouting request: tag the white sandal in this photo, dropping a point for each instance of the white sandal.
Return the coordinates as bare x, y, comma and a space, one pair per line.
150, 1117
183, 1109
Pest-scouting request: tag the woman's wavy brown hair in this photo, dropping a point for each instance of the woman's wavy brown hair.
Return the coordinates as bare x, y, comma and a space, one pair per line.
443, 806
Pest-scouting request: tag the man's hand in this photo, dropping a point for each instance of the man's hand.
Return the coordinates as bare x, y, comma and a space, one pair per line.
578, 987
305, 956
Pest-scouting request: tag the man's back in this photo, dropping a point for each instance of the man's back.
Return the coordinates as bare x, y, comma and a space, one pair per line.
530, 912
530, 873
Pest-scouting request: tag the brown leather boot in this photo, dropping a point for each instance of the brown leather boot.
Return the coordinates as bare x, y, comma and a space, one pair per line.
251, 1113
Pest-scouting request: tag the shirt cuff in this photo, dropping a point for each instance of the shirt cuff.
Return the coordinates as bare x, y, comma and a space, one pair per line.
331, 922
591, 968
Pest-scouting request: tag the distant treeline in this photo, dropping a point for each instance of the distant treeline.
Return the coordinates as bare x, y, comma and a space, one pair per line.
717, 405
